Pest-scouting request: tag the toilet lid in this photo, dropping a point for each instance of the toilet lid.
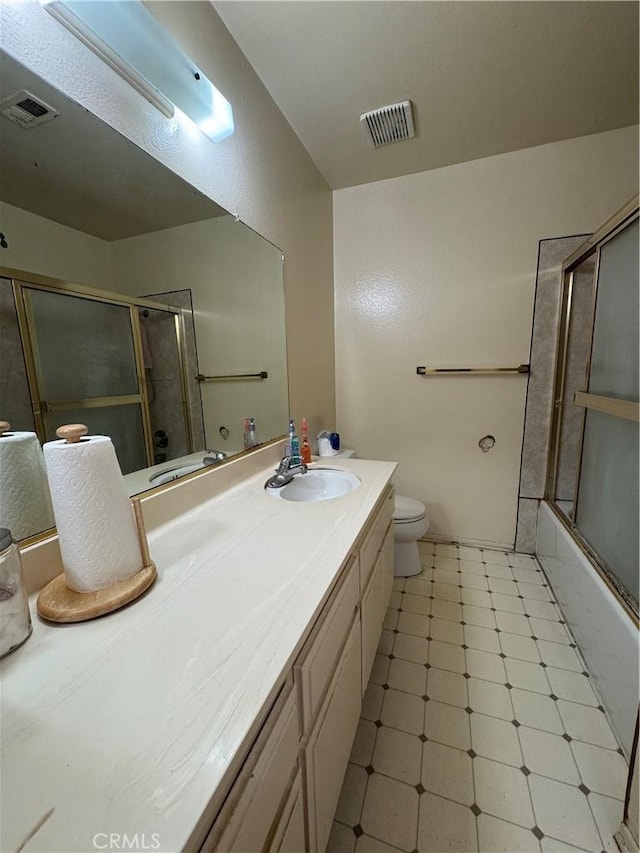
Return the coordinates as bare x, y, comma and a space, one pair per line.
408, 509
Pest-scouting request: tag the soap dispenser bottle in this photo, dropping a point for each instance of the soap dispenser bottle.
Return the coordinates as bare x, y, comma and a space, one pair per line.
305, 449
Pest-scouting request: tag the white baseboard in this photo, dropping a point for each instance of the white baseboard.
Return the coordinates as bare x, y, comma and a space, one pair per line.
471, 543
625, 840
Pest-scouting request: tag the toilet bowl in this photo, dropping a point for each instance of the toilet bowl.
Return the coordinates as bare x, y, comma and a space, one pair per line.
410, 522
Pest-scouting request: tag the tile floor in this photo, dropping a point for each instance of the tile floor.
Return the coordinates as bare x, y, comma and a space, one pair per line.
480, 729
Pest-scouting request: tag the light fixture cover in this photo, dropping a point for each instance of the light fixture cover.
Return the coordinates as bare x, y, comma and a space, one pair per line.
131, 32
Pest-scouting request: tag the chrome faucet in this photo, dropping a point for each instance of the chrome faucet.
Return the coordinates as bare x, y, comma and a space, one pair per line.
213, 457
287, 469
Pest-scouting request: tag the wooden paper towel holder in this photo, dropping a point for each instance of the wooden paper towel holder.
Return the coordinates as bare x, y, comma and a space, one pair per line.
58, 603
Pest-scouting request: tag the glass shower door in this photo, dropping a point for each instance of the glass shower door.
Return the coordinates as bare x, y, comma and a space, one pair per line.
85, 370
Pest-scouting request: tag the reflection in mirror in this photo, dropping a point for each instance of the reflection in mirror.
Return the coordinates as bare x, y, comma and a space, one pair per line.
129, 301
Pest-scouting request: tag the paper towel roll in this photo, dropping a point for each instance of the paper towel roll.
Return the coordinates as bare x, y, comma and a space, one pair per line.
25, 503
96, 525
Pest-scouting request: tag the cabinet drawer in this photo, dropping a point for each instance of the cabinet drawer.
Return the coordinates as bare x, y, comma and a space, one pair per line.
247, 816
317, 660
373, 541
328, 750
374, 605
289, 834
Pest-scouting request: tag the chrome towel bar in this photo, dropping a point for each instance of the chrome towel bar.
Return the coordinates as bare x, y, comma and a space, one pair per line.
472, 371
232, 377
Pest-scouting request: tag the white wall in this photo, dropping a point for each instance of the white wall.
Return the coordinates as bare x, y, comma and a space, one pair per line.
236, 283
39, 245
262, 172
438, 269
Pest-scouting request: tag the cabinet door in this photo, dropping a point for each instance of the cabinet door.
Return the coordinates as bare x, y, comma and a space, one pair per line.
374, 605
289, 835
374, 538
329, 747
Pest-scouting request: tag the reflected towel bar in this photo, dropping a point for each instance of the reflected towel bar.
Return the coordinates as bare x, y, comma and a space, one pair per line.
473, 371
232, 377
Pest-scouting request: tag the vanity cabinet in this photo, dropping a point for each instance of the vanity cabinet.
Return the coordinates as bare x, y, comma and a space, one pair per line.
285, 796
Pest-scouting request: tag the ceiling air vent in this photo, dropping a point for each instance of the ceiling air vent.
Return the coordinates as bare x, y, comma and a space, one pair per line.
389, 124
26, 110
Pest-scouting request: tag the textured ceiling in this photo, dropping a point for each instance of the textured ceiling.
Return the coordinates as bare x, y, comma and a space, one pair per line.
78, 171
484, 77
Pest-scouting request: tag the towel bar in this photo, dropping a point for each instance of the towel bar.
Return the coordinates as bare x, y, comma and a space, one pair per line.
473, 371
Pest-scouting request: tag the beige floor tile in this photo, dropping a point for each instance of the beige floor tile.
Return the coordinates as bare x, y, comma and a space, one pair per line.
367, 844
416, 604
446, 656
479, 616
446, 592
608, 816
426, 547
552, 845
563, 812
523, 561
390, 620
472, 567
354, 786
507, 603
533, 591
391, 812
363, 743
485, 639
495, 739
372, 702
418, 585
411, 647
467, 553
514, 624
386, 642
529, 576
414, 623
473, 581
447, 724
573, 686
517, 646
395, 600
398, 583
502, 586
543, 629
408, 676
446, 610
587, 724
602, 770
542, 610
499, 571
527, 676
548, 755
560, 656
446, 631
495, 558
476, 597
403, 711
448, 564
444, 550
398, 754
341, 840
486, 666
486, 697
445, 826
502, 791
447, 687
498, 836
536, 711
442, 576
447, 772
379, 670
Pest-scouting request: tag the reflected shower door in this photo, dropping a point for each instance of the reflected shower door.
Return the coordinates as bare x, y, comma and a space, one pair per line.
84, 367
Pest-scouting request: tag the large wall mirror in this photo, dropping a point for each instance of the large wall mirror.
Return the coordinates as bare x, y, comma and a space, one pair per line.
129, 301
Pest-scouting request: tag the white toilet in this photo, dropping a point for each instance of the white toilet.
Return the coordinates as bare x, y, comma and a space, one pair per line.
410, 523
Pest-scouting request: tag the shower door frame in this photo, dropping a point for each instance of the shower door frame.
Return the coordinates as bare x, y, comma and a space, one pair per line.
613, 406
21, 281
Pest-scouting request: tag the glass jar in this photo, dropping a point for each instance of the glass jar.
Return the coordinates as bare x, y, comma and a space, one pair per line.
15, 619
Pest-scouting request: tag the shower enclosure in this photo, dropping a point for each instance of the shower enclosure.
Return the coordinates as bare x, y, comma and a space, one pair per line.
593, 466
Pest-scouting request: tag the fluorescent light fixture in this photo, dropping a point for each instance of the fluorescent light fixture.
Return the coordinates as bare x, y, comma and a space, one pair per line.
130, 40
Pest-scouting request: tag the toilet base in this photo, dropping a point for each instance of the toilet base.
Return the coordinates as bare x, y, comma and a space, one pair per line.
407, 559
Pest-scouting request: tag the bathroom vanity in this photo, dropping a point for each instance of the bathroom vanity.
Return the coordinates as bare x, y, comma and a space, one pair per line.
218, 712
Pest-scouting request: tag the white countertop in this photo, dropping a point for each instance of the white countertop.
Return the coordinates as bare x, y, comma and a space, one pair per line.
128, 724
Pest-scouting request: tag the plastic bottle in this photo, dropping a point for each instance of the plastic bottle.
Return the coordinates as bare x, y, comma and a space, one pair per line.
305, 449
246, 430
253, 439
292, 432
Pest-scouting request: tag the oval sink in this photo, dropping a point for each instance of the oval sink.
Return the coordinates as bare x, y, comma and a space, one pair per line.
169, 474
318, 484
